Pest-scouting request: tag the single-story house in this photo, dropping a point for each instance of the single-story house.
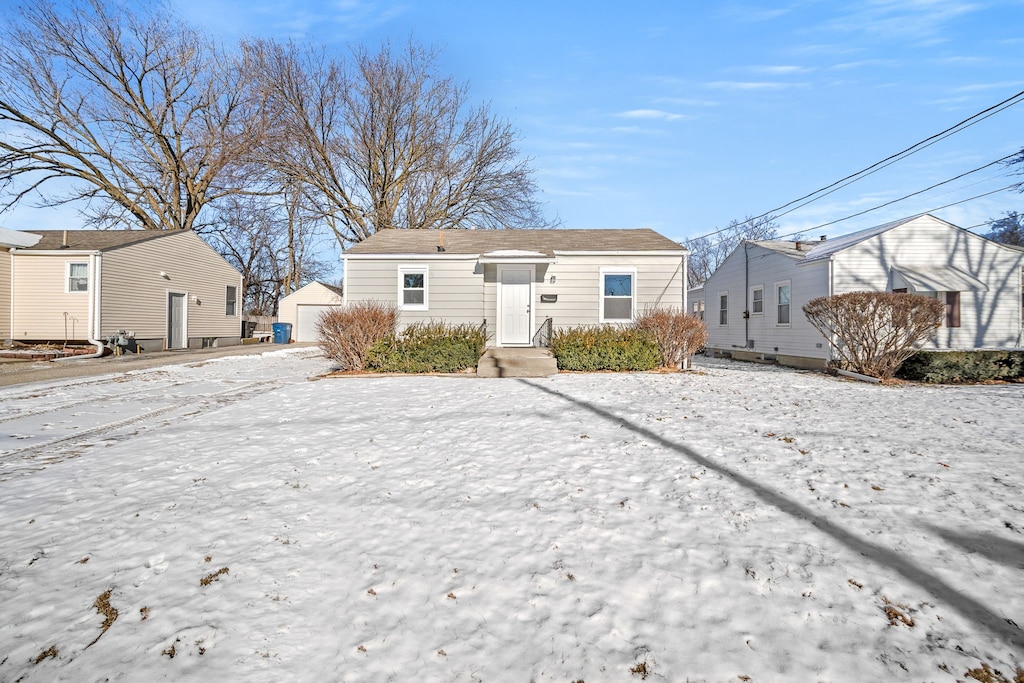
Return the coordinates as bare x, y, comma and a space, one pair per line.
755, 298
519, 284
303, 307
167, 289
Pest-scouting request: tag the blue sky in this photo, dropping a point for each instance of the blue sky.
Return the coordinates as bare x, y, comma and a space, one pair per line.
682, 116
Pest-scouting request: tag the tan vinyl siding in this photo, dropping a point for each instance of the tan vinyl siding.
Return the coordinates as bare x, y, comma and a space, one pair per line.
5, 295
988, 319
134, 295
42, 310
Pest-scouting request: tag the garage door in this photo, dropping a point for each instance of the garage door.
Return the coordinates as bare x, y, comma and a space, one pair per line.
306, 318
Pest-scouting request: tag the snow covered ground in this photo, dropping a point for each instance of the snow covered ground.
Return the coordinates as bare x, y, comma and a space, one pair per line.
231, 520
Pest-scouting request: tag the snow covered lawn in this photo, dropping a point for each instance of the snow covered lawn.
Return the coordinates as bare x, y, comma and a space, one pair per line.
232, 521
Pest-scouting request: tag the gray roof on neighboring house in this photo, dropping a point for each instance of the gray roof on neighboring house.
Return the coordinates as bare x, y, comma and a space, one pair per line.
476, 242
818, 250
91, 240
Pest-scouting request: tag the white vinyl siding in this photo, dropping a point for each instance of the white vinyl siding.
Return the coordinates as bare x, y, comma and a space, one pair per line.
42, 308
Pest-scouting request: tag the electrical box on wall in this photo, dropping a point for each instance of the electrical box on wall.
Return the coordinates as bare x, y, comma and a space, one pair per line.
548, 298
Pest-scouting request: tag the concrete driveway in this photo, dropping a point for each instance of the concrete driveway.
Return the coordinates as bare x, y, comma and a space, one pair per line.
16, 371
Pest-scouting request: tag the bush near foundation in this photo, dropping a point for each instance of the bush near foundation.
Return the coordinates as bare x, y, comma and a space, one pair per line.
608, 347
678, 335
874, 332
348, 332
428, 347
954, 367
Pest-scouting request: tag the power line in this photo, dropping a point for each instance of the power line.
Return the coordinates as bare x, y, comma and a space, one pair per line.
938, 208
888, 161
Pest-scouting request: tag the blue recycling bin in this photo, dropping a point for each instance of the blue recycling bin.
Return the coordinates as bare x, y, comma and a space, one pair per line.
282, 333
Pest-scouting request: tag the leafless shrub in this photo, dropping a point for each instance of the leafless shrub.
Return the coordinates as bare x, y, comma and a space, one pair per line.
347, 332
874, 332
679, 336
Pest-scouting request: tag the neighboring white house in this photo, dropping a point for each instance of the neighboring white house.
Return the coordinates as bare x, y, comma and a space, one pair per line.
754, 300
515, 281
695, 299
169, 288
303, 307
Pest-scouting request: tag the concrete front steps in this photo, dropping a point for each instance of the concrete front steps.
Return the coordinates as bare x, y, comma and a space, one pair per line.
516, 362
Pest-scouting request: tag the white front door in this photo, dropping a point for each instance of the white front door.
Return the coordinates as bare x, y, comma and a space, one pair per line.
515, 302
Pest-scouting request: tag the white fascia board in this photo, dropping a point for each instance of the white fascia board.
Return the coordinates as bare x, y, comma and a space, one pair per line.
409, 257
513, 260
681, 252
56, 252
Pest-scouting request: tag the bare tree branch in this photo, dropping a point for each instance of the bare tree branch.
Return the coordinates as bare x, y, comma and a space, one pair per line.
708, 252
143, 114
382, 141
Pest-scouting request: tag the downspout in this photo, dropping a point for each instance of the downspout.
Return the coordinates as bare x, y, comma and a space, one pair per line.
746, 297
95, 261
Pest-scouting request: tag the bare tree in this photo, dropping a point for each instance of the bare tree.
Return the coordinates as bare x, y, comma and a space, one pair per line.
708, 252
383, 141
271, 243
1008, 230
142, 114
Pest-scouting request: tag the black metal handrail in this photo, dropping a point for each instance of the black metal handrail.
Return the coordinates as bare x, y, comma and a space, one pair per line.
542, 337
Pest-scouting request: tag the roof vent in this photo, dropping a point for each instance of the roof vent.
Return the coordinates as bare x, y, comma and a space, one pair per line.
64, 240
440, 248
822, 238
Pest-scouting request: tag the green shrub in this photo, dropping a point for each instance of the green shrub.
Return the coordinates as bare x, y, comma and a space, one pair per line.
951, 367
428, 347
607, 347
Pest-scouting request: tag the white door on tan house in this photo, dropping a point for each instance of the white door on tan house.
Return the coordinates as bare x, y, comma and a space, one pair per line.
515, 307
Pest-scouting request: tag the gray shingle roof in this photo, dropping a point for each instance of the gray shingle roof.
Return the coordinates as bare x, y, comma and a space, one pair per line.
92, 240
477, 242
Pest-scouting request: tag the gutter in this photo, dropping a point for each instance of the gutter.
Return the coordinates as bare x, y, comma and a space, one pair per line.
95, 272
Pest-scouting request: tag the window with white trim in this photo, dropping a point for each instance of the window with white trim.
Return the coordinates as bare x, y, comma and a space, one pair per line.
230, 300
951, 303
723, 309
77, 279
757, 300
618, 293
412, 288
782, 297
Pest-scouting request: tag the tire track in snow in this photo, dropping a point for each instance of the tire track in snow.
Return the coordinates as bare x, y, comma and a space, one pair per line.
24, 461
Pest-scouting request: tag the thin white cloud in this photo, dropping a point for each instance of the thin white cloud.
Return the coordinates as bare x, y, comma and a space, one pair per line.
752, 85
652, 115
921, 20
687, 102
999, 85
780, 70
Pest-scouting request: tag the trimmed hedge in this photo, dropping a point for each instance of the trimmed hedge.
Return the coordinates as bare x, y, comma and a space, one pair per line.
608, 347
952, 367
428, 347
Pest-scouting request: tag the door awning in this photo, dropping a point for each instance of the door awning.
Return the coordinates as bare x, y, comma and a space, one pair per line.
939, 279
515, 256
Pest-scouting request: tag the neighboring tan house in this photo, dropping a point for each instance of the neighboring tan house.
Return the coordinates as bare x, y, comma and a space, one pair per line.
755, 299
169, 289
303, 307
519, 284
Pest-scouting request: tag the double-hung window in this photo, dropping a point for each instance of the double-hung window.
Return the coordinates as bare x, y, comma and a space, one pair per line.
723, 310
412, 288
618, 293
77, 276
757, 300
952, 308
230, 300
782, 296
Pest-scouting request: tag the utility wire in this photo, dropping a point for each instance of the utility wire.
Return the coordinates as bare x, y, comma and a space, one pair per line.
938, 208
879, 165
914, 194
